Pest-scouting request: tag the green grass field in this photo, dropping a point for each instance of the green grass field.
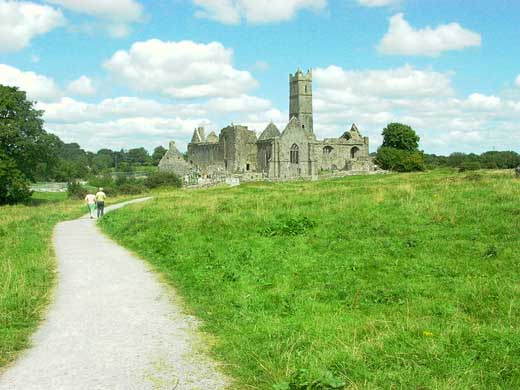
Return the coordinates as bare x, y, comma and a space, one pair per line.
27, 266
383, 282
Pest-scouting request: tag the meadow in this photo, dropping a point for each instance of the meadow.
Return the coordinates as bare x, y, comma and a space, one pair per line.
28, 266
397, 281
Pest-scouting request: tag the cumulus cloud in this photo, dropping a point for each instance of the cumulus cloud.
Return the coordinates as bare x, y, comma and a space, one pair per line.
82, 86
254, 11
21, 21
445, 122
404, 81
517, 81
403, 39
38, 87
127, 132
378, 3
75, 120
117, 14
182, 69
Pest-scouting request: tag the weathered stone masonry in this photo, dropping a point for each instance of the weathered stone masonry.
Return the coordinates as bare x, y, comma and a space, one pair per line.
294, 152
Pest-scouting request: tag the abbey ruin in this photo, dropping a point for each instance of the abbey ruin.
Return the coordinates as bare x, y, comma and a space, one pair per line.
294, 152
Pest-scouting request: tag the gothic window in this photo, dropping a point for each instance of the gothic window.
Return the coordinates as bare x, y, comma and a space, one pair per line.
328, 149
354, 152
295, 154
305, 89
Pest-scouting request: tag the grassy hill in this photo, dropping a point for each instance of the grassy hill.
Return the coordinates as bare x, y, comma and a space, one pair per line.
399, 281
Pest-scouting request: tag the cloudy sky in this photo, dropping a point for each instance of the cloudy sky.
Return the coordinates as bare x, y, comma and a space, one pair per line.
127, 73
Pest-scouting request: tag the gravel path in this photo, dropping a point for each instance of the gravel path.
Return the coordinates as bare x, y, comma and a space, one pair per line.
113, 325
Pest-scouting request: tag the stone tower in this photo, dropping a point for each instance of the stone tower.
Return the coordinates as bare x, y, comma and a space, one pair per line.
300, 104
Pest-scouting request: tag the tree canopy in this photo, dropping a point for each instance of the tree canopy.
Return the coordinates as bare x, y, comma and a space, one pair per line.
22, 137
400, 149
399, 136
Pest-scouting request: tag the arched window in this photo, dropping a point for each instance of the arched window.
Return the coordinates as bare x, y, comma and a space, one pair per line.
354, 152
328, 149
295, 154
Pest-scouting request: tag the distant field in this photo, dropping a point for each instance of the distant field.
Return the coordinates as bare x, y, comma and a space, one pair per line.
399, 281
27, 265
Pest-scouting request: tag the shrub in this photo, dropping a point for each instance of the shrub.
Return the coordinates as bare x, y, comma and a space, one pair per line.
469, 166
76, 191
163, 179
400, 160
132, 188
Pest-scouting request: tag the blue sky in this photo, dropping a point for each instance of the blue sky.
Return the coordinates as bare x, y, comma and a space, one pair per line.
127, 73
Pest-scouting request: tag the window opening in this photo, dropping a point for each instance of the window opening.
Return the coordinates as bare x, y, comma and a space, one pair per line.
295, 154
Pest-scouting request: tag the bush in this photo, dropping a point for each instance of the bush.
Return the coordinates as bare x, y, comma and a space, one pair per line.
400, 160
14, 187
163, 179
469, 166
132, 188
76, 191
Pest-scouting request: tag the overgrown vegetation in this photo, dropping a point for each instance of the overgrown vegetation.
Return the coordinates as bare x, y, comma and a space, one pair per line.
398, 281
27, 266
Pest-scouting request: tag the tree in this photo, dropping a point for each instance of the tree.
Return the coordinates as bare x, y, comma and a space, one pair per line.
399, 136
158, 154
22, 137
14, 186
400, 149
138, 156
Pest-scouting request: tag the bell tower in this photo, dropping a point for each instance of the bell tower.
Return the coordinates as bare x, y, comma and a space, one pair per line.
300, 104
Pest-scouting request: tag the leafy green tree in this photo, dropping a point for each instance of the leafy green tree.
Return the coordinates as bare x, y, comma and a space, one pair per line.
22, 137
14, 186
399, 136
400, 149
101, 162
138, 156
158, 154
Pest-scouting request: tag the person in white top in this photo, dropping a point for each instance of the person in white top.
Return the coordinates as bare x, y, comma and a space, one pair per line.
90, 200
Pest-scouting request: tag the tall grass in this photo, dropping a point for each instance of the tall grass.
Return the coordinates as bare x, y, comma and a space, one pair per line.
399, 281
28, 265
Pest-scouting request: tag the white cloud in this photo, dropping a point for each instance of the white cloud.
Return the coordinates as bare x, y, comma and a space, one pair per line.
38, 87
517, 81
378, 3
21, 21
402, 38
254, 11
479, 101
183, 69
82, 86
405, 81
118, 14
127, 132
445, 122
241, 104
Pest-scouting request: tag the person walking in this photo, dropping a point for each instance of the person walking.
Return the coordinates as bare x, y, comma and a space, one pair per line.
100, 202
90, 200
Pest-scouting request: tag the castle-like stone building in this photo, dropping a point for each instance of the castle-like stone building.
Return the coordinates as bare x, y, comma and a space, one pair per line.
294, 152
